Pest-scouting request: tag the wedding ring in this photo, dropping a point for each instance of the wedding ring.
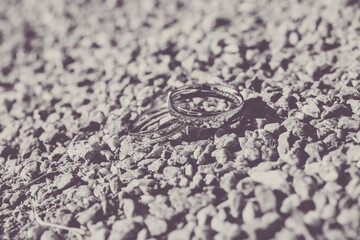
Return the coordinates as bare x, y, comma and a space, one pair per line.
185, 111
154, 125
198, 105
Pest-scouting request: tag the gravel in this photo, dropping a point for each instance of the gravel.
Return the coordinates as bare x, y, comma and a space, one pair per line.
74, 74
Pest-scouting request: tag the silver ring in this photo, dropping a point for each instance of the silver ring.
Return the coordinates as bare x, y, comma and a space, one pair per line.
181, 110
154, 125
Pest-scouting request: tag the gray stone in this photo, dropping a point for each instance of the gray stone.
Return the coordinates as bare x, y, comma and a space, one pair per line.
114, 185
236, 202
89, 214
30, 170
189, 170
266, 198
156, 152
305, 186
142, 234
290, 203
286, 234
353, 153
222, 155
347, 92
311, 110
204, 214
275, 179
349, 217
129, 208
227, 141
49, 235
112, 141
271, 221
329, 172
252, 154
99, 234
225, 228
85, 150
156, 226
272, 127
35, 232
312, 218
16, 198
203, 233
329, 211
171, 172
355, 106
246, 186
315, 150
349, 124
229, 181
250, 212
123, 229
161, 210
84, 191
353, 188
182, 234
336, 110
155, 165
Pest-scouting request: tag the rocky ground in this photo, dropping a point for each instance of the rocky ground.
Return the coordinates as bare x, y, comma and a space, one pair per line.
75, 73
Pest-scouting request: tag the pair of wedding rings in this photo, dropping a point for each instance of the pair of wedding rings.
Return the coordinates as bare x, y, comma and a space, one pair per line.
197, 105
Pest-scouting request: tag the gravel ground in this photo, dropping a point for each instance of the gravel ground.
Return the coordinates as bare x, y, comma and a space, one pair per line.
75, 73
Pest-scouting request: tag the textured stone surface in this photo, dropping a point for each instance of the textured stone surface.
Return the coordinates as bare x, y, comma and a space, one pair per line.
75, 74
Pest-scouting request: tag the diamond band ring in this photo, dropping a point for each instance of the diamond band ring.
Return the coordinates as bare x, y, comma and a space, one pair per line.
205, 116
154, 125
197, 105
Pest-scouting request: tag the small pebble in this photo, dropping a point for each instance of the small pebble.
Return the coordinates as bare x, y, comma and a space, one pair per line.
129, 208
155, 165
99, 234
225, 228
290, 203
246, 186
49, 235
266, 198
312, 218
89, 214
311, 110
337, 110
30, 170
189, 170
171, 172
64, 180
250, 212
222, 155
304, 186
123, 229
155, 225
349, 124
286, 234
272, 127
16, 198
180, 234
275, 179
35, 232
236, 202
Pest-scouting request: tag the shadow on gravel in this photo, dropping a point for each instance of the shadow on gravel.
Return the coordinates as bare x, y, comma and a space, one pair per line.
253, 108
244, 120
257, 108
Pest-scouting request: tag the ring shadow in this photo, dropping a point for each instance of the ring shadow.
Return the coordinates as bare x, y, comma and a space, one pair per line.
253, 108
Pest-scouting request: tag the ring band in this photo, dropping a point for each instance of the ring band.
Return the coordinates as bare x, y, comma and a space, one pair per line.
160, 123
201, 118
154, 125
